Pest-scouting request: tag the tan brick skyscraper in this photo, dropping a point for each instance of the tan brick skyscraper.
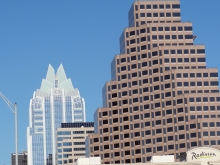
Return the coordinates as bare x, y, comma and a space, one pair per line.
162, 99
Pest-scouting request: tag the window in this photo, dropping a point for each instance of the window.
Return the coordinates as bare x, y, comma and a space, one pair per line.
123, 76
200, 51
173, 52
179, 84
155, 14
170, 147
182, 145
166, 51
170, 138
124, 93
148, 132
148, 6
192, 126
124, 85
175, 6
173, 28
182, 136
188, 36
188, 28
193, 144
146, 115
158, 122
173, 60
144, 56
181, 127
154, 37
168, 14
168, 111
105, 130
147, 124
201, 59
161, 14
149, 15
155, 62
167, 37
214, 83
158, 131
170, 129
212, 133
134, 83
154, 6
213, 74
169, 120
114, 95
146, 98
180, 118
176, 14
192, 108
166, 60
168, 94
157, 105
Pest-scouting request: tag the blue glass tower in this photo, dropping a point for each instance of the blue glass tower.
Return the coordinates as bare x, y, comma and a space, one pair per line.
54, 103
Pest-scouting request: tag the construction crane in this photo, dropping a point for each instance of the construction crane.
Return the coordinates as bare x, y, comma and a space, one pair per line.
13, 108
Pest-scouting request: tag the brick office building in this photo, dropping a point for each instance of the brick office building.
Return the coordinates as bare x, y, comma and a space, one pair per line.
162, 99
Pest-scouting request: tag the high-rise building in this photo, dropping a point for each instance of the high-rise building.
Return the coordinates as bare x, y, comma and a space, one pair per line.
162, 98
71, 141
22, 158
54, 103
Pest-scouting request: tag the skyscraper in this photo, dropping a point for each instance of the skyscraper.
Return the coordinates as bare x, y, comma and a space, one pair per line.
54, 103
162, 98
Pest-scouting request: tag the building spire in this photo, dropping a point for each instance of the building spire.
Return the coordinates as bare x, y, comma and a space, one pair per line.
56, 80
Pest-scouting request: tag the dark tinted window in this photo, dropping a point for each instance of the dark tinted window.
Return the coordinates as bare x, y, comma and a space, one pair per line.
175, 6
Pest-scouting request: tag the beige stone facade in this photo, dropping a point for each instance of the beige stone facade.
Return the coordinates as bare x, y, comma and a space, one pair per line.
71, 141
162, 99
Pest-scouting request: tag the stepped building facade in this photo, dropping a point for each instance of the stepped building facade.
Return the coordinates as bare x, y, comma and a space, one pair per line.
54, 103
162, 99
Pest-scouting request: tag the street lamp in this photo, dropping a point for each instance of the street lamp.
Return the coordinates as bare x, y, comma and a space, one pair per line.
13, 108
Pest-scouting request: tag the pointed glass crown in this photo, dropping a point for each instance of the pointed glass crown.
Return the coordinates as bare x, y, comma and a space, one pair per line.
56, 80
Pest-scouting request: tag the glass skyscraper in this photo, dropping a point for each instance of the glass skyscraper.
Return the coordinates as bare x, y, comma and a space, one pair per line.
54, 103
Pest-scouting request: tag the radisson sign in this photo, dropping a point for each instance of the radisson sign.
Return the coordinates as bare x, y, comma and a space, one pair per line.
203, 154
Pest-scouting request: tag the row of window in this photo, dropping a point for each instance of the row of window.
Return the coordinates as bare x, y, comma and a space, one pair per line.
211, 133
70, 149
155, 79
183, 60
211, 124
148, 115
148, 150
159, 37
174, 14
204, 108
145, 47
204, 99
70, 143
192, 117
192, 75
157, 131
165, 86
153, 115
166, 52
160, 29
160, 6
199, 83
146, 98
179, 51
